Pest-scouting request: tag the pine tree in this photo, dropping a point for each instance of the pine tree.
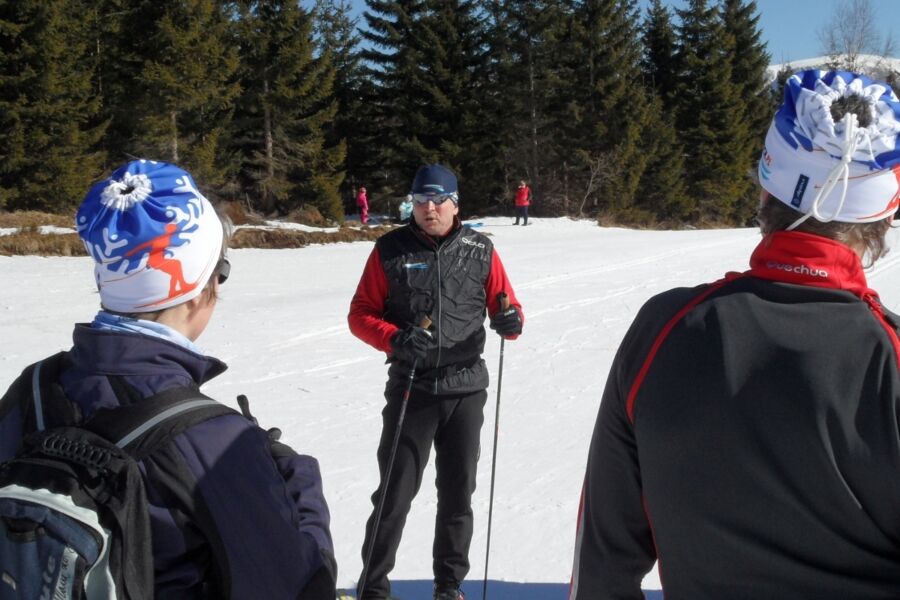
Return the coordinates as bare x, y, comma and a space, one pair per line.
179, 100
451, 76
607, 87
709, 115
49, 115
392, 100
524, 106
337, 35
284, 112
662, 190
658, 62
426, 62
749, 61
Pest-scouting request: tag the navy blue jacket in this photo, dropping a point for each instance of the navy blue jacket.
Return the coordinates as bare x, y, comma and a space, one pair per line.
228, 519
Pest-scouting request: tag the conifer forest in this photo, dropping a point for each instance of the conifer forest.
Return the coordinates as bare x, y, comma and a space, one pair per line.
606, 109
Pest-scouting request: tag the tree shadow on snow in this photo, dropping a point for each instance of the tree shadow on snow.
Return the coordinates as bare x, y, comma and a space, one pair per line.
496, 590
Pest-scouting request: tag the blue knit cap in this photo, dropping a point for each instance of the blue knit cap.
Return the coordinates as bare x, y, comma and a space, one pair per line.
435, 180
153, 236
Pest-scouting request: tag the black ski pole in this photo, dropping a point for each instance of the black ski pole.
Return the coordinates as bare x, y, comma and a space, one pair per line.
504, 305
426, 323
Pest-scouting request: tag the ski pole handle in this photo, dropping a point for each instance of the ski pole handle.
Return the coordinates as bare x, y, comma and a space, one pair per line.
503, 299
244, 403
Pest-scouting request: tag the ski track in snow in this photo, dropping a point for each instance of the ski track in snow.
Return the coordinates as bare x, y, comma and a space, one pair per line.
281, 326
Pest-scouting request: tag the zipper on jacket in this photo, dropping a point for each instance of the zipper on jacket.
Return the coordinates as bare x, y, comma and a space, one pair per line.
437, 254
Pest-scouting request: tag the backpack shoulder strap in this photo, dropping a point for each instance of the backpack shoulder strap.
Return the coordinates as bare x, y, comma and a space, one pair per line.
138, 428
39, 396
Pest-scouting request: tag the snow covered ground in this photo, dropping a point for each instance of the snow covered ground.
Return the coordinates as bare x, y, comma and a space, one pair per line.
281, 325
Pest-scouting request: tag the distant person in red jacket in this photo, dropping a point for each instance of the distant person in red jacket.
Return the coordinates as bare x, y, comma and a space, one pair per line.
362, 203
523, 200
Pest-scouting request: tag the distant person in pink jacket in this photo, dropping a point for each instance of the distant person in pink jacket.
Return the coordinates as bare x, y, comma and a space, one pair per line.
523, 200
362, 202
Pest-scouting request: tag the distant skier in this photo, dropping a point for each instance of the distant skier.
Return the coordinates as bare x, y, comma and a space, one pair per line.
362, 203
405, 209
523, 201
748, 436
433, 267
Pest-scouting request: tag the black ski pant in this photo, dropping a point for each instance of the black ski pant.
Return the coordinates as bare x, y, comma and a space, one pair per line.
522, 213
453, 424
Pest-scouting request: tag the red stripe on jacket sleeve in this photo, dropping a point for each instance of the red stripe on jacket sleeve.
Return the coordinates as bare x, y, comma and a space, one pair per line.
366, 317
497, 282
658, 342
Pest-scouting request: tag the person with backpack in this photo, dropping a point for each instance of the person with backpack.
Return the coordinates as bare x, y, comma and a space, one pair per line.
748, 438
523, 201
214, 506
422, 299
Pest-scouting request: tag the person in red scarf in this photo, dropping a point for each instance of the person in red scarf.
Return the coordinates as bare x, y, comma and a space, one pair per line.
748, 437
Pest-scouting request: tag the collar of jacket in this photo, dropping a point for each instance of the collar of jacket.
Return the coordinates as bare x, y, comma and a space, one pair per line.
806, 259
132, 354
430, 239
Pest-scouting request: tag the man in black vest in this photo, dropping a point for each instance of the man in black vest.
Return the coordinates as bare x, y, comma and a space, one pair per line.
422, 300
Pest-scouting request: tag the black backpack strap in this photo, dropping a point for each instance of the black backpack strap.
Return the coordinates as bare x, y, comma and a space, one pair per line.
140, 427
39, 396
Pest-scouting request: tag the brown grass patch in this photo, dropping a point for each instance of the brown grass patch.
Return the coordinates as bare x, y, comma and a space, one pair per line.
239, 215
290, 238
31, 242
32, 219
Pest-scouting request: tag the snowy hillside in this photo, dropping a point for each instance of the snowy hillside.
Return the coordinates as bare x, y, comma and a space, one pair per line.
281, 325
870, 64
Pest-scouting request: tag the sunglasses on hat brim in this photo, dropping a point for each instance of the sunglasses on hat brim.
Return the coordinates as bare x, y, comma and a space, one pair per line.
434, 198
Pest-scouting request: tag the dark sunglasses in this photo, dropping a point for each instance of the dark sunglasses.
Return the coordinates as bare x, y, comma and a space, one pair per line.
224, 270
437, 199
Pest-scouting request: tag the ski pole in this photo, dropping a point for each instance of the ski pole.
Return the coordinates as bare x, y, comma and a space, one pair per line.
504, 305
425, 324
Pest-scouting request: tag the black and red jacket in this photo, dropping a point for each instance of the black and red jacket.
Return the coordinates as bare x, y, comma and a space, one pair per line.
748, 438
410, 275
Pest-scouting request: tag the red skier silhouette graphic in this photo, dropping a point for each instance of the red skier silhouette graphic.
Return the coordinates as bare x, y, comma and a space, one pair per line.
158, 260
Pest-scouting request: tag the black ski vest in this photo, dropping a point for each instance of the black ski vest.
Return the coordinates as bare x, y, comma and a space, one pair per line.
443, 280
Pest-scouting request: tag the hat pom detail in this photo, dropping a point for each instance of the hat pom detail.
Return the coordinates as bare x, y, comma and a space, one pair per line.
132, 189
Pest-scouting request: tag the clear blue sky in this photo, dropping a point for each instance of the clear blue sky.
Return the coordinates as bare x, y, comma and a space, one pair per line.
790, 27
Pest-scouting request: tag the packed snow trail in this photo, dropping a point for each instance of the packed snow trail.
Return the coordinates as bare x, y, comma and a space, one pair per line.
281, 326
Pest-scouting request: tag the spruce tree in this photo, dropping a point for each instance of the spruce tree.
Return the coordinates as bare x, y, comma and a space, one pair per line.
284, 112
709, 115
661, 191
337, 35
452, 75
392, 100
608, 88
426, 60
49, 113
658, 61
527, 109
749, 61
179, 103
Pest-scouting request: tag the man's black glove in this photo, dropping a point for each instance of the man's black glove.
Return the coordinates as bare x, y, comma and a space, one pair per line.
411, 344
507, 322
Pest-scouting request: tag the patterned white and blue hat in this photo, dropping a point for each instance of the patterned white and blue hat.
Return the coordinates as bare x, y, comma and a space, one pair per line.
154, 238
834, 171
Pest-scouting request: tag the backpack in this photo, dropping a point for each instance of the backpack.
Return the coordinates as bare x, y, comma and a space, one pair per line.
74, 519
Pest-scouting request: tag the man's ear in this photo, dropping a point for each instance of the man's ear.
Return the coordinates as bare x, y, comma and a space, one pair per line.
200, 300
